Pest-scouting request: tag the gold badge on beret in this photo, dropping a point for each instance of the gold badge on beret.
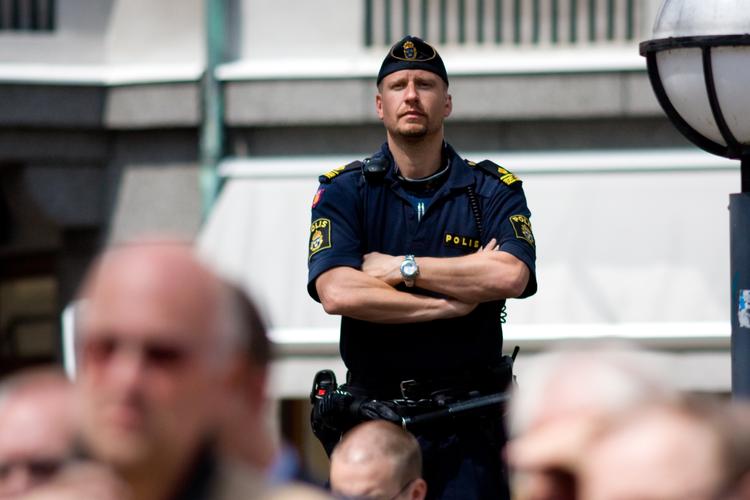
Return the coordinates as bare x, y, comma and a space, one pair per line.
410, 51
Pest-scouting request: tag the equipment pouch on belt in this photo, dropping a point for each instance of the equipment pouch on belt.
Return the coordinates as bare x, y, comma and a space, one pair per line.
333, 409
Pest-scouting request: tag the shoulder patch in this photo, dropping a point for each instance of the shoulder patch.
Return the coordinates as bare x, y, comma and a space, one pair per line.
332, 174
320, 236
522, 228
505, 176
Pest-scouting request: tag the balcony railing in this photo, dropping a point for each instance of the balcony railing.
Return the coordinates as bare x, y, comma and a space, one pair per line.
534, 23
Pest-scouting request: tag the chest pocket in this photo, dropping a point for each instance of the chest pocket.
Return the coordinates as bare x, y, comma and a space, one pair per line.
467, 239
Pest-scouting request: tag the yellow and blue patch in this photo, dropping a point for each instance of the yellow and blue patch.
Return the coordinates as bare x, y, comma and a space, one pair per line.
522, 228
320, 236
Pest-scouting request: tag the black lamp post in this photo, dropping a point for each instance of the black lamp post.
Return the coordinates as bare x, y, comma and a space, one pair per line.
699, 67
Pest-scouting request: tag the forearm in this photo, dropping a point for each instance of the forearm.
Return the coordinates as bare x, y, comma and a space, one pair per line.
479, 277
348, 292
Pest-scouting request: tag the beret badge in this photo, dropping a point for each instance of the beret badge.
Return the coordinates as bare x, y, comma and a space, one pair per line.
410, 51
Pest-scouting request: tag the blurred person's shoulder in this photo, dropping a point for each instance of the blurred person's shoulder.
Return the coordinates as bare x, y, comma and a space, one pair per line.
235, 480
296, 491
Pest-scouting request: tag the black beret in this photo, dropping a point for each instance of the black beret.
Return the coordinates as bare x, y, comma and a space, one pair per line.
412, 53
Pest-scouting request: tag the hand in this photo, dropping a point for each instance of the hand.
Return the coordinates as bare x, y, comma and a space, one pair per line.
379, 410
386, 268
490, 246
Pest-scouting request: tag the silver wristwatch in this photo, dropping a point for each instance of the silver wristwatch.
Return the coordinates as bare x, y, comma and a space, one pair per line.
409, 270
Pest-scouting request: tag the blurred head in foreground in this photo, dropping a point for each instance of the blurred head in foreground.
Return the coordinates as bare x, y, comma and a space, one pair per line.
695, 449
247, 435
375, 460
567, 398
157, 336
37, 429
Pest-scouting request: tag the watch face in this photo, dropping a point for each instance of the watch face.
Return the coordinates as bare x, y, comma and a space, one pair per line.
409, 268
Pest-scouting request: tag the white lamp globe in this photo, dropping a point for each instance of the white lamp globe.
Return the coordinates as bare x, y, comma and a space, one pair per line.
699, 44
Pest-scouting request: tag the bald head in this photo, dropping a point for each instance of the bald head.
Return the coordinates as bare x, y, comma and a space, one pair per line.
156, 337
665, 451
37, 429
598, 380
167, 272
377, 458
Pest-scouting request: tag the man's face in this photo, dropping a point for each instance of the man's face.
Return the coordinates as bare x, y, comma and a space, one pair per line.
36, 438
150, 375
413, 103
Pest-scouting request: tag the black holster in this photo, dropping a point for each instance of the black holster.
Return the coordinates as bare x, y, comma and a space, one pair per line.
333, 409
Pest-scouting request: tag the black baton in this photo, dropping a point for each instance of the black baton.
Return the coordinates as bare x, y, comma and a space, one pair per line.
457, 408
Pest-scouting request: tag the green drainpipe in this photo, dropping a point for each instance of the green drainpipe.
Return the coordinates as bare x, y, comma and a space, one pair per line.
212, 107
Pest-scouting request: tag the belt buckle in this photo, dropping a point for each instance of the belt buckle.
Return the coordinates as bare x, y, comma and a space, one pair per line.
405, 386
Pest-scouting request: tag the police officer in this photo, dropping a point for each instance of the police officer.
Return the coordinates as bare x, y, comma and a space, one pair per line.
417, 250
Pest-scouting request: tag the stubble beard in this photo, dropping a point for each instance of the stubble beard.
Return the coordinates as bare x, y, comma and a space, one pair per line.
411, 133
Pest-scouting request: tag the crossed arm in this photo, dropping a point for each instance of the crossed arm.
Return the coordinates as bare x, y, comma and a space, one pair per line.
466, 281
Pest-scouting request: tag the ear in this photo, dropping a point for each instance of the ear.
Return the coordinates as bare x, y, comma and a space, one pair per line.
257, 386
448, 105
418, 489
379, 105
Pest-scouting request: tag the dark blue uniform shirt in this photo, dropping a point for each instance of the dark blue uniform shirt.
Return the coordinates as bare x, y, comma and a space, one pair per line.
352, 217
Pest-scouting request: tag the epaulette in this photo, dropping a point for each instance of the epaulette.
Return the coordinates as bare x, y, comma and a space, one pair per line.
330, 175
506, 176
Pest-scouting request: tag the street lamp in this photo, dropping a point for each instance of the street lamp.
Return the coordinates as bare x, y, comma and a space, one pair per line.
699, 67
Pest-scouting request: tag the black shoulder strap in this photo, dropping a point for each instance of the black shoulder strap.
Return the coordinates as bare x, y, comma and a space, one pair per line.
505, 176
332, 174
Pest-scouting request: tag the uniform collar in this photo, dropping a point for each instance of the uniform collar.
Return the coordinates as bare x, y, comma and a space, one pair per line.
459, 175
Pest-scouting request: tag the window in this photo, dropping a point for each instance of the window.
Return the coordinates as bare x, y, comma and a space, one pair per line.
27, 15
503, 22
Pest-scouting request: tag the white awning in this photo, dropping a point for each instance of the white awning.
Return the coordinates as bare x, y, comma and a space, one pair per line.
631, 245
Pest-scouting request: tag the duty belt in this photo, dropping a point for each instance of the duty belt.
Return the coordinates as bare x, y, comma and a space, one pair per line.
458, 387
